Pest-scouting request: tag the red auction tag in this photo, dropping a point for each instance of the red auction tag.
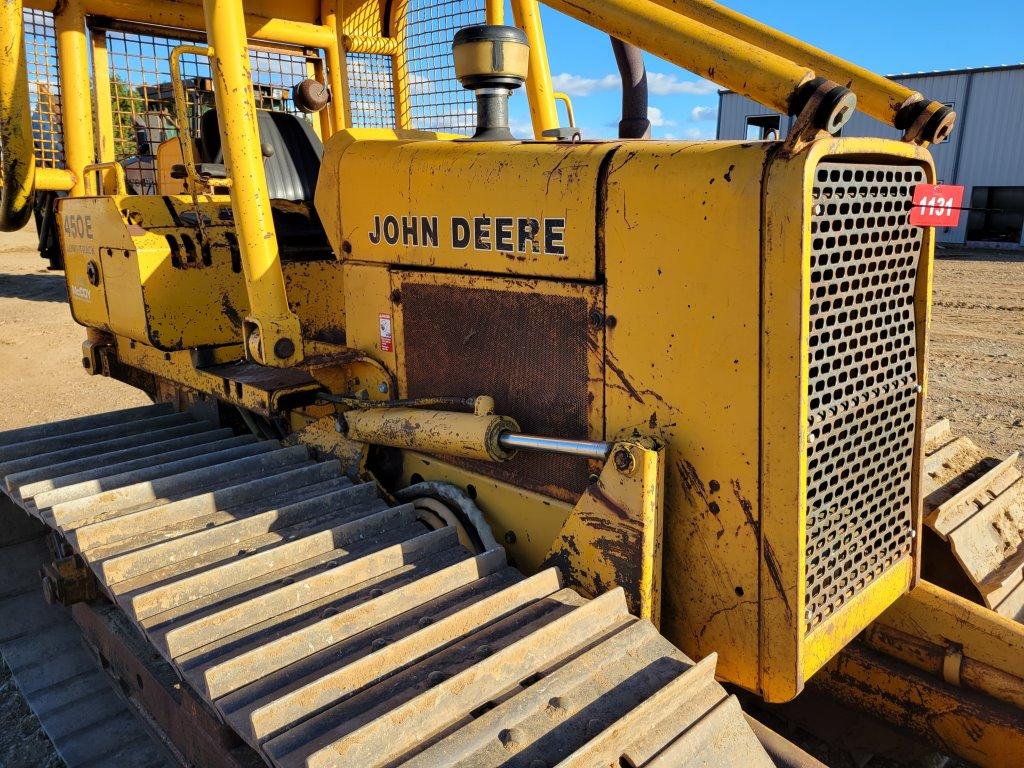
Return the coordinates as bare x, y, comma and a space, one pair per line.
937, 205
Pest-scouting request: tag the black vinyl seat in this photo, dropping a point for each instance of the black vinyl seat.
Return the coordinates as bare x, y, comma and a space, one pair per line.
292, 152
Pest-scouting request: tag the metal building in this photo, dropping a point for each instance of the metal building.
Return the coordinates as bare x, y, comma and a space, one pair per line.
984, 153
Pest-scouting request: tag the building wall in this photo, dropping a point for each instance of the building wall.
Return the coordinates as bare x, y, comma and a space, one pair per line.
985, 149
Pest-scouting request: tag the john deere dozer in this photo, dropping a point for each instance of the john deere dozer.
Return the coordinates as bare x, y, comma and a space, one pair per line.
473, 451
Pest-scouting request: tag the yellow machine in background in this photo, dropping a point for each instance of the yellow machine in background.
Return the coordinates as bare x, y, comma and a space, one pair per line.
688, 375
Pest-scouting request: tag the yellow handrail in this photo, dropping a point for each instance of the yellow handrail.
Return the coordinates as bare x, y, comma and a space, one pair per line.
262, 20
496, 12
335, 56
75, 94
19, 162
383, 46
400, 76
271, 330
564, 98
193, 180
539, 90
120, 182
54, 180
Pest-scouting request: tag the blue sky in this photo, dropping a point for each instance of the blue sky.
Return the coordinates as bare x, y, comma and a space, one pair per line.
890, 37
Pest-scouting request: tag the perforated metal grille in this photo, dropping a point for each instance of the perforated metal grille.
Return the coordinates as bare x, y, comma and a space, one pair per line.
43, 88
436, 100
371, 90
863, 379
142, 96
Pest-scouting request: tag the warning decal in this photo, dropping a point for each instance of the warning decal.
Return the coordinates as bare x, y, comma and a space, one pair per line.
387, 336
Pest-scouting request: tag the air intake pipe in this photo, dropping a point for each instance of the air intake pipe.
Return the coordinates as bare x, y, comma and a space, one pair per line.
635, 123
492, 61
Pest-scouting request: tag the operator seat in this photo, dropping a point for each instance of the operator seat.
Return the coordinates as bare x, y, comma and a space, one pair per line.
292, 163
292, 155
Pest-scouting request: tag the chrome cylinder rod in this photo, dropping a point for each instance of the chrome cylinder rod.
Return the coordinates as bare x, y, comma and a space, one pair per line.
511, 441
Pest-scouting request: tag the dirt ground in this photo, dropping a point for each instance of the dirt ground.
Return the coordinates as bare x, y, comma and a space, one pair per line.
977, 380
42, 379
41, 374
22, 742
977, 348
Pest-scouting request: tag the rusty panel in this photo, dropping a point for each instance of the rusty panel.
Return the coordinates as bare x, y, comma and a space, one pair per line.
957, 721
528, 350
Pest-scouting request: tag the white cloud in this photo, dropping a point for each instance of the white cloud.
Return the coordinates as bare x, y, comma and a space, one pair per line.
657, 118
365, 107
459, 120
599, 134
661, 84
369, 78
686, 134
698, 134
521, 128
577, 85
419, 85
658, 83
703, 114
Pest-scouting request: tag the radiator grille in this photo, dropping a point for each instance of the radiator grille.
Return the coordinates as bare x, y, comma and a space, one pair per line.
863, 379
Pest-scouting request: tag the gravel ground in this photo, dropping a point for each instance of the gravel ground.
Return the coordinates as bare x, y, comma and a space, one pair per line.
22, 742
42, 380
41, 345
977, 348
976, 360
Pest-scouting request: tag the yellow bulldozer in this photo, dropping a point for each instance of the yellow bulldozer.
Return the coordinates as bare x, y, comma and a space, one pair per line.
473, 451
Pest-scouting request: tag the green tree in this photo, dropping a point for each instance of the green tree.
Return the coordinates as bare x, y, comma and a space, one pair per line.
127, 102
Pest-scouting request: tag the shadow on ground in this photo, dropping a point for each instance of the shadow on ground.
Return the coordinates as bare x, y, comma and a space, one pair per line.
49, 287
962, 253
